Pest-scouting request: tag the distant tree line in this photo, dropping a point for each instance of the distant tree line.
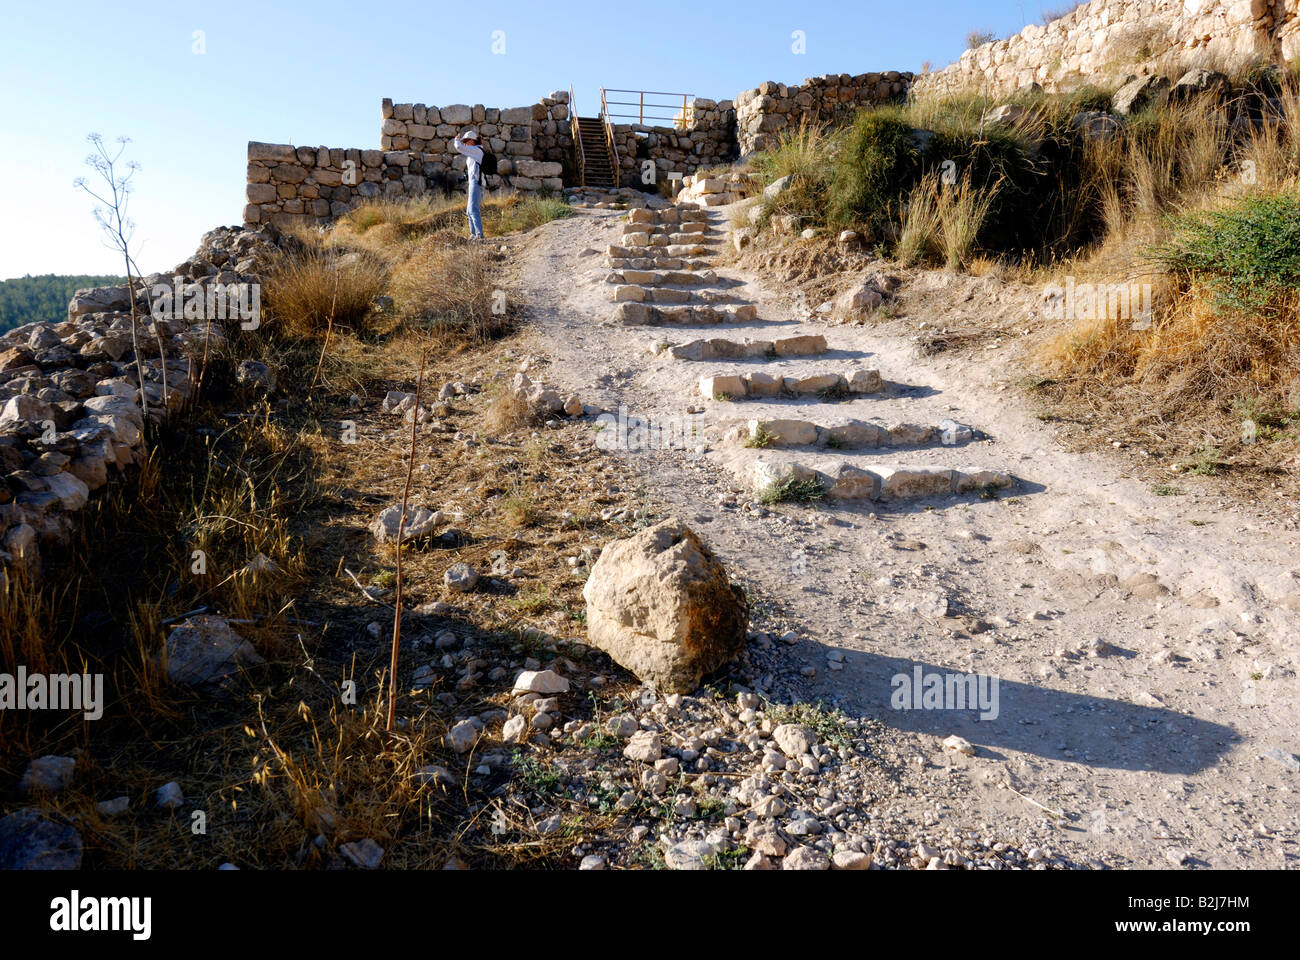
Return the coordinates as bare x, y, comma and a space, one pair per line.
28, 299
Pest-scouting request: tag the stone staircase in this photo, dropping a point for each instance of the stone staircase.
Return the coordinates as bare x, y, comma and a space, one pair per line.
658, 276
662, 274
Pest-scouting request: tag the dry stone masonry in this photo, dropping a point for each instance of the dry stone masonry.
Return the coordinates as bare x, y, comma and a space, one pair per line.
305, 185
1106, 41
763, 113
313, 185
703, 135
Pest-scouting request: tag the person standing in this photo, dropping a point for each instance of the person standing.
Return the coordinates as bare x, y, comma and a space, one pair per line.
467, 145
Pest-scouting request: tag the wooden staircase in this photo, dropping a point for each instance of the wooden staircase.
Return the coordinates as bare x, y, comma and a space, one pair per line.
594, 155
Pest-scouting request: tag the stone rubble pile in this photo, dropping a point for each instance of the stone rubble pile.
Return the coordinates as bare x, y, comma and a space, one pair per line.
716, 191
71, 410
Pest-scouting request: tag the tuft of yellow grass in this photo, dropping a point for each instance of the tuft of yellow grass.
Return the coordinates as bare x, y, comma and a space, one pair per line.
308, 291
454, 290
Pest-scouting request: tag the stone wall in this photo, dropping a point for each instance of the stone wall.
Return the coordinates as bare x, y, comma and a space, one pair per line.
313, 185
534, 145
762, 113
704, 135
1106, 41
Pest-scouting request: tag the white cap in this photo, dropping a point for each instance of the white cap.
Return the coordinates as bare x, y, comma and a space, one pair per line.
470, 134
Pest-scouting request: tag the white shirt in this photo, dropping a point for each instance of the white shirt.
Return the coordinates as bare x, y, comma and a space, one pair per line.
473, 158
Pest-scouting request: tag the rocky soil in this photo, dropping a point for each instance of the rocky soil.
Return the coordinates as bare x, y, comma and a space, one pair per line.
1144, 644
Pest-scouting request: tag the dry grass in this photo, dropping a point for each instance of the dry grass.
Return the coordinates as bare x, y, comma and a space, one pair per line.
453, 289
1183, 383
918, 240
308, 291
414, 252
942, 222
507, 412
387, 226
288, 759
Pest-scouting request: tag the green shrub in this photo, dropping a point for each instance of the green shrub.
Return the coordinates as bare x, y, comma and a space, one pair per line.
1247, 253
880, 161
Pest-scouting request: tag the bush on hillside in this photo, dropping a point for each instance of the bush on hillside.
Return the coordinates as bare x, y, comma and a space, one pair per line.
1247, 253
881, 159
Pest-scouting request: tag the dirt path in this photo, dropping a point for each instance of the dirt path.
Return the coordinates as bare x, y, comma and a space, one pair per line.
1143, 645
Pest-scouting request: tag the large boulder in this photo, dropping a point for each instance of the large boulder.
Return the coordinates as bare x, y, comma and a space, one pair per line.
1096, 125
99, 300
660, 604
1007, 115
1199, 81
858, 302
1139, 93
420, 523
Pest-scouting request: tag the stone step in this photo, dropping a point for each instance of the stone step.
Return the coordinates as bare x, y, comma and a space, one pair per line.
668, 215
844, 481
654, 263
675, 251
653, 278
635, 293
732, 386
667, 229
852, 434
630, 314
642, 240
721, 349
672, 251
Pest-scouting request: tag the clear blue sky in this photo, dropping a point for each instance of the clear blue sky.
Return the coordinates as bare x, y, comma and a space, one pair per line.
313, 73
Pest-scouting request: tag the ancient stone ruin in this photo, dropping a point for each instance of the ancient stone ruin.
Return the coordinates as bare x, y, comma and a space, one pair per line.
1107, 41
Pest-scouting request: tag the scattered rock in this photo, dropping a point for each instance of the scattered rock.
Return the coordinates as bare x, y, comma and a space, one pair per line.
206, 654
541, 681
169, 796
31, 841
434, 775
48, 774
1288, 760
460, 578
515, 730
462, 736
805, 858
251, 373
794, 739
364, 854
1140, 93
690, 855
959, 745
851, 860
644, 746
113, 808
420, 523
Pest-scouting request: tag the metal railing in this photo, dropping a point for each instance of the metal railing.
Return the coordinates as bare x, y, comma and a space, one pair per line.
641, 116
610, 145
576, 132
